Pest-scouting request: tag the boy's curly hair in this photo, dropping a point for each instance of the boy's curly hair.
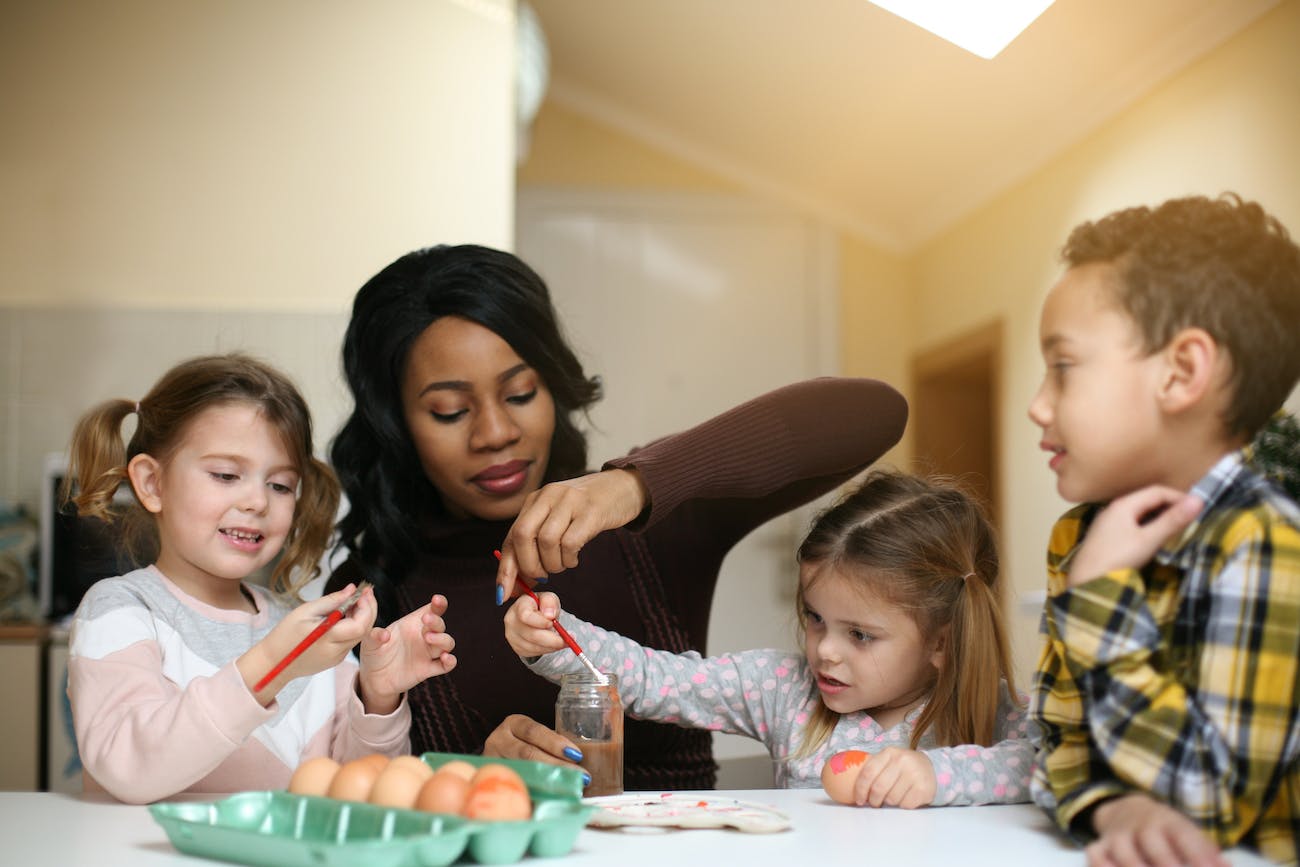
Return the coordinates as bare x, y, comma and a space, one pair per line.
1223, 265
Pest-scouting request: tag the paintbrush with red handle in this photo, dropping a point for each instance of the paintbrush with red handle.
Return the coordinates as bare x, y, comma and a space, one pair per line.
564, 633
321, 628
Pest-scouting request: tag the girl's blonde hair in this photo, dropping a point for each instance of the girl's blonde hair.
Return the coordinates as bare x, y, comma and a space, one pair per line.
98, 457
927, 547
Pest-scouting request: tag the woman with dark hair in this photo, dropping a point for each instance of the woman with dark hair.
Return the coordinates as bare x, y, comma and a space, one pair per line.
463, 440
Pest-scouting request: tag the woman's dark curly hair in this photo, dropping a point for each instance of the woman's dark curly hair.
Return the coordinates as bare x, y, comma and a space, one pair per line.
373, 455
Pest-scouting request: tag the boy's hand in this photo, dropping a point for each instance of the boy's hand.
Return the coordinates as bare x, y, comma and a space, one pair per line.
531, 630
1129, 531
326, 652
895, 777
407, 652
1139, 831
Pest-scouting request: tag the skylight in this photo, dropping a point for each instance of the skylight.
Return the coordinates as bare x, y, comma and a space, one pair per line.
982, 27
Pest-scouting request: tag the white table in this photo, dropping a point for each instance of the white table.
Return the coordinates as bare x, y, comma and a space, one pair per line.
68, 830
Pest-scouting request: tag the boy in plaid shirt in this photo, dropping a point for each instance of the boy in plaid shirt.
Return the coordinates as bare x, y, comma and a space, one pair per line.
1167, 698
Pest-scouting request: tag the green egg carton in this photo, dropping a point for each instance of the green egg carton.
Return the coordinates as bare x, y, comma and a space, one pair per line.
279, 829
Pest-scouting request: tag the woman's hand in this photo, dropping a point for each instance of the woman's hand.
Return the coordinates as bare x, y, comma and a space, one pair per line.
558, 519
895, 777
396, 658
1127, 533
530, 625
326, 652
1139, 831
520, 737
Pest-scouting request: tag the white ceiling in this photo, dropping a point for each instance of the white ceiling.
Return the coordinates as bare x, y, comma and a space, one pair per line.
841, 109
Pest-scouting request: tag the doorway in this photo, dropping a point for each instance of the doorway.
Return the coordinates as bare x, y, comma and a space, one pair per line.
956, 394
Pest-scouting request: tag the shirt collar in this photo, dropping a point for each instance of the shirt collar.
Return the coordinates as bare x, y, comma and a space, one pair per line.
1211, 489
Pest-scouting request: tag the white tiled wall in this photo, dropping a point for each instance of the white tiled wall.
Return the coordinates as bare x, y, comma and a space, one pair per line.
54, 364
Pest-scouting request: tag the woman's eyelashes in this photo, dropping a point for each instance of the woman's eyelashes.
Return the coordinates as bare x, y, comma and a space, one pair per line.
523, 398
454, 416
447, 417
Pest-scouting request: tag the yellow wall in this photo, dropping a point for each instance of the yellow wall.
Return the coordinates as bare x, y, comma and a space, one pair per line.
567, 149
231, 154
1229, 122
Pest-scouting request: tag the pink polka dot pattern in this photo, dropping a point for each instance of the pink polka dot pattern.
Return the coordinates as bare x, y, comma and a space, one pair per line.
771, 695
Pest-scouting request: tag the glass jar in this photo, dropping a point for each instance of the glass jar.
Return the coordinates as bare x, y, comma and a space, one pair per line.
591, 715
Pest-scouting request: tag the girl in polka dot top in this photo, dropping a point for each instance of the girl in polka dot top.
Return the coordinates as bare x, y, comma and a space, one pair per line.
905, 657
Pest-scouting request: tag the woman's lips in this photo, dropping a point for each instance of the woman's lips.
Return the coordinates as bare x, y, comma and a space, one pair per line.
502, 479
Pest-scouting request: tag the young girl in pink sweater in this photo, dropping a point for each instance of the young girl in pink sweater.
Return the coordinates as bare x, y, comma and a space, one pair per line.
166, 660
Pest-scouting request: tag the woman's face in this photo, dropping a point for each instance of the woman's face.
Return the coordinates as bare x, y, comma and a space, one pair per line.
480, 418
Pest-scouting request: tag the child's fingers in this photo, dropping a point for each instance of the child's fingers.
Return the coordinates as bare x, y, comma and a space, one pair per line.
1176, 516
886, 777
526, 613
444, 663
549, 605
375, 638
439, 642
867, 775
431, 622
366, 610
327, 603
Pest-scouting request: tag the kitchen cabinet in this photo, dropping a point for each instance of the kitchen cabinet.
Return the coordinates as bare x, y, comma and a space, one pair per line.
22, 651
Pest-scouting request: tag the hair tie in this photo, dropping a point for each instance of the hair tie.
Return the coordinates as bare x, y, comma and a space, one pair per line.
137, 407
966, 578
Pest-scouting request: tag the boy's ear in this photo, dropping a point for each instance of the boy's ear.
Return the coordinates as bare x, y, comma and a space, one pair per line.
1191, 368
145, 474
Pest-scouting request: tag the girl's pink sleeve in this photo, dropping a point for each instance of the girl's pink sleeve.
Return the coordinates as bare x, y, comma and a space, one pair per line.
357, 733
141, 736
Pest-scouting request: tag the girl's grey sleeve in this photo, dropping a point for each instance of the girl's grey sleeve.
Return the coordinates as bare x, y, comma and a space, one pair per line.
997, 774
733, 693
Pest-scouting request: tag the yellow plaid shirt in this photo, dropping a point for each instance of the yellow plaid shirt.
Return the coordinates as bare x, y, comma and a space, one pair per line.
1180, 679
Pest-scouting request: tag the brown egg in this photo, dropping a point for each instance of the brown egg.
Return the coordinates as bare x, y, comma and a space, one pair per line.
313, 777
840, 773
414, 765
378, 761
354, 780
497, 793
396, 786
443, 793
460, 768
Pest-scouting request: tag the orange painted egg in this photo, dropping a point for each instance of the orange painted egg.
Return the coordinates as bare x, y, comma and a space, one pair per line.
840, 773
497, 794
313, 777
506, 775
